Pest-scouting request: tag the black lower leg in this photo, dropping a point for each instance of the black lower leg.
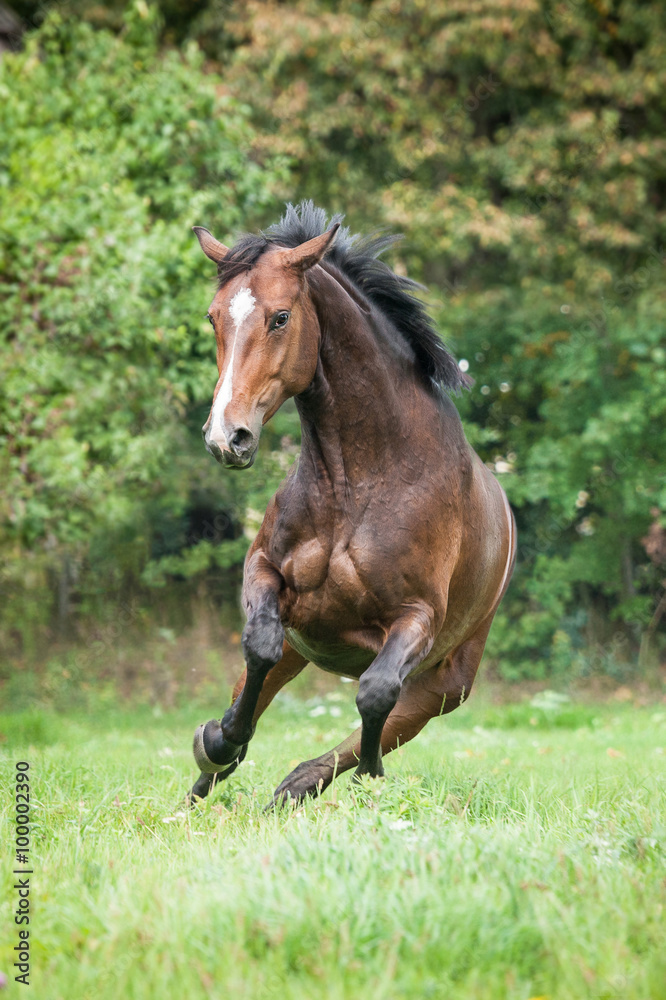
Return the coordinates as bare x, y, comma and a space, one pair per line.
206, 781
380, 685
263, 637
220, 744
370, 758
377, 694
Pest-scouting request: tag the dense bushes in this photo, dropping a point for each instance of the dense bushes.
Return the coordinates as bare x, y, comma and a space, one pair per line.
519, 147
109, 152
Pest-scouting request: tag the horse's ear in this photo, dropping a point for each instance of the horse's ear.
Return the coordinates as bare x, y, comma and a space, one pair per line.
211, 247
308, 254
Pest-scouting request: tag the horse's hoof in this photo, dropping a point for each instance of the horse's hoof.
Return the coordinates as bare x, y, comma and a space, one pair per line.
202, 786
308, 780
284, 801
211, 733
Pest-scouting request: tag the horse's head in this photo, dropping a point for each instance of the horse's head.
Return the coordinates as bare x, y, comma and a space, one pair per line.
266, 345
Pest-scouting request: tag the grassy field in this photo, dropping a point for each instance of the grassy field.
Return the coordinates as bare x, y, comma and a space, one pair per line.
511, 852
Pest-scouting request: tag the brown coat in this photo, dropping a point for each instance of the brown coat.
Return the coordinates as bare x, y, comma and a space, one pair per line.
385, 552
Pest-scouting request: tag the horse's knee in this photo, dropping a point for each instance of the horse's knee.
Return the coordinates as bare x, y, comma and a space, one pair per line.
263, 637
377, 695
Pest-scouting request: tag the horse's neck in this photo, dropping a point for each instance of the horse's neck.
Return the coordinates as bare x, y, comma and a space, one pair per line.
357, 414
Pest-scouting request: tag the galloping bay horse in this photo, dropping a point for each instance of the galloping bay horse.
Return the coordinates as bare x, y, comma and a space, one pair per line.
385, 552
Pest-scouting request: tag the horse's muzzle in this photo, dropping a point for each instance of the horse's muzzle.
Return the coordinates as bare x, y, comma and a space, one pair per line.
241, 452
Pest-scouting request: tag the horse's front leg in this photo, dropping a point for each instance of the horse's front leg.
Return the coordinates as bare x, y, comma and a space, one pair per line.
290, 666
218, 746
409, 641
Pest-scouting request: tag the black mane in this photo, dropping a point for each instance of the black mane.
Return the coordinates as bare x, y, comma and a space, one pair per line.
357, 258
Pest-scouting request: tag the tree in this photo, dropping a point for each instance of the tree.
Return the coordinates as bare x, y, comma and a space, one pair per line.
520, 147
110, 150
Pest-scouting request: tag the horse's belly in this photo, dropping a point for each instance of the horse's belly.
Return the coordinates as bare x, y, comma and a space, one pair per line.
334, 656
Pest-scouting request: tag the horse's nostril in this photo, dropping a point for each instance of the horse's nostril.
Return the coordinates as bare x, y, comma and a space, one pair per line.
241, 441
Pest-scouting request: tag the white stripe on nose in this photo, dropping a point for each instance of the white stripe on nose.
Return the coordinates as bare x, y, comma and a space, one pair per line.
240, 307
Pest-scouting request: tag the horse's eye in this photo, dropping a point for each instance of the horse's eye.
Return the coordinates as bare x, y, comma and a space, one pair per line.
280, 320
210, 319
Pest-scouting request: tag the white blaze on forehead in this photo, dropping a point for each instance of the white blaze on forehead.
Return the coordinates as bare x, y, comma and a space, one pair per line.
240, 307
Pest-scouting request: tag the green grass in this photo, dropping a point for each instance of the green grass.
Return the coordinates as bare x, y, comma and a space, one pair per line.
508, 854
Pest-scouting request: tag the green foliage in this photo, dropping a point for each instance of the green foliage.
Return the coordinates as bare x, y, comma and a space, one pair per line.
520, 148
110, 151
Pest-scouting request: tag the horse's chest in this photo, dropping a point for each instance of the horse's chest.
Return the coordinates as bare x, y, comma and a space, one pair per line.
305, 566
337, 577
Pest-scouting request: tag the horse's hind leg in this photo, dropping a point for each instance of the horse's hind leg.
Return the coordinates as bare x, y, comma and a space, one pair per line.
284, 671
435, 692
